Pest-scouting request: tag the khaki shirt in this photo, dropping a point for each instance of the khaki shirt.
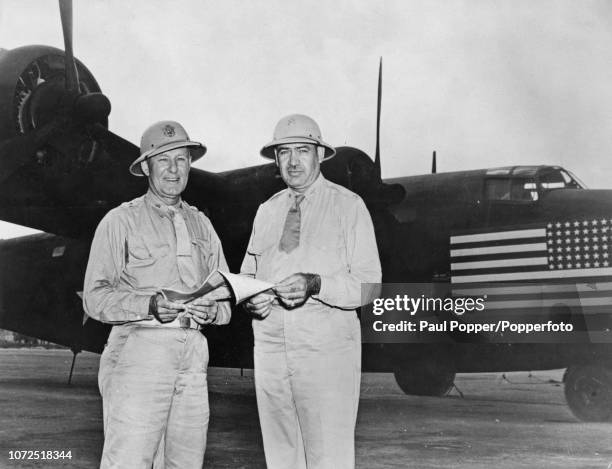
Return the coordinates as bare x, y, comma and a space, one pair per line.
337, 242
133, 255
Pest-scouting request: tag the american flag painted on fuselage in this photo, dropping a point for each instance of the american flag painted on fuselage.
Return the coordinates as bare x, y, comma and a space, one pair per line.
558, 263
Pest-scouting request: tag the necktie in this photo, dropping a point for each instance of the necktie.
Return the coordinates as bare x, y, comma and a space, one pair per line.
186, 267
291, 231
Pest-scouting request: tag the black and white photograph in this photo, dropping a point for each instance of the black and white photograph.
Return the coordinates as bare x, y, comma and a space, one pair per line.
305, 235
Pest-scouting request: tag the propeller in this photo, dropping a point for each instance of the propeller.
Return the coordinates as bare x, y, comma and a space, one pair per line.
72, 78
377, 154
88, 107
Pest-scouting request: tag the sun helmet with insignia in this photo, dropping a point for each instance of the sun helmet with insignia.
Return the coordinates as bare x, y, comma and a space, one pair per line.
161, 137
297, 128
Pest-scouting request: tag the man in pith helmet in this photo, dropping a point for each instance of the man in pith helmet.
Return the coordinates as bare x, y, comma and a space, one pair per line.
153, 369
315, 241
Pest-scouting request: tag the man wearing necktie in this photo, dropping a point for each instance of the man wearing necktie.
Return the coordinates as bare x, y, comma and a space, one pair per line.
315, 241
153, 369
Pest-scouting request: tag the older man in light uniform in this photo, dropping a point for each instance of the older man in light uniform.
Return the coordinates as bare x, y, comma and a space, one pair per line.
316, 241
153, 369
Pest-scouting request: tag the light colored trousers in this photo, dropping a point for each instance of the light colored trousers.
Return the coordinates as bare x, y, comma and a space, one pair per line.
307, 377
153, 386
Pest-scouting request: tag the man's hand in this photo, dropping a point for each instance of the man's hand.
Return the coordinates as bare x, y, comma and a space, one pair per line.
203, 310
163, 310
297, 288
259, 305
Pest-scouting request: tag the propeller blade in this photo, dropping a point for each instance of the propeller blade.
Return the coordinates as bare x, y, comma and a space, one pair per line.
377, 154
72, 79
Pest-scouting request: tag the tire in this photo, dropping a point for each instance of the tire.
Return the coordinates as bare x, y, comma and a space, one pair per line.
427, 378
588, 392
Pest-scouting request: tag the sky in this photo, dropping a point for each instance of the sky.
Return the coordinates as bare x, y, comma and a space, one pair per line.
485, 83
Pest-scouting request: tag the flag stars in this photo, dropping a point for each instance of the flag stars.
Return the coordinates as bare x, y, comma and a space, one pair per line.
576, 223
578, 265
549, 225
587, 265
585, 231
585, 223
595, 264
567, 224
606, 263
558, 225
576, 232
594, 222
567, 232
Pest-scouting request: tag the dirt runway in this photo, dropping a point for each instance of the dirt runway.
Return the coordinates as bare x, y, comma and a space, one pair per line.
519, 421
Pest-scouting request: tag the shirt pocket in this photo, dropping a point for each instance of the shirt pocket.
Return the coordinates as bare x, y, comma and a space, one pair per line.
141, 254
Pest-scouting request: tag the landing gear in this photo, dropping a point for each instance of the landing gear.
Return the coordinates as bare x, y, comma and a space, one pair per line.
426, 378
588, 391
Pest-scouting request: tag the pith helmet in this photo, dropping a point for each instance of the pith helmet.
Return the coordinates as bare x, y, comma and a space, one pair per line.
297, 128
161, 137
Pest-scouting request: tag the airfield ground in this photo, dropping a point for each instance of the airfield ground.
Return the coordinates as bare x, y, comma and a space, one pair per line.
518, 422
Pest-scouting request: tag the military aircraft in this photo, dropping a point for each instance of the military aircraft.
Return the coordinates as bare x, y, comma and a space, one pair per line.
510, 230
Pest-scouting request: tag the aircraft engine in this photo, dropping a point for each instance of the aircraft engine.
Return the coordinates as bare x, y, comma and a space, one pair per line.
33, 91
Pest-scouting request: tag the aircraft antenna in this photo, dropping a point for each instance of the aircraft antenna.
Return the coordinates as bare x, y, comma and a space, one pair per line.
377, 154
433, 163
72, 80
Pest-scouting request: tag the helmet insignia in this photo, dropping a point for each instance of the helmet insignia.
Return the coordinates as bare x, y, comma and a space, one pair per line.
169, 131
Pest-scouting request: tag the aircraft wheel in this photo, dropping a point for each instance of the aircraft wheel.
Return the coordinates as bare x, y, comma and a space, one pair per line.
427, 378
588, 391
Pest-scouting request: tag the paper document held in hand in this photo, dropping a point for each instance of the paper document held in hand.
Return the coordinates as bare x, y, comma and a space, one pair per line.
242, 286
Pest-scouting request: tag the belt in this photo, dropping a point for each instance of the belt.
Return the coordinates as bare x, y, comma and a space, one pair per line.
181, 322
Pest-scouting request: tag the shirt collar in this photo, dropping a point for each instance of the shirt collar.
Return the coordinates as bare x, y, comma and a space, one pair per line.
312, 189
159, 207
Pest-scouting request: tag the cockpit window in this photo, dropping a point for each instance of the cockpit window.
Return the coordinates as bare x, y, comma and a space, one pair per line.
557, 178
511, 189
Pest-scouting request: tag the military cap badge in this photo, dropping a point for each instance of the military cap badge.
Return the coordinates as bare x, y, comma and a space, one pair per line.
169, 131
